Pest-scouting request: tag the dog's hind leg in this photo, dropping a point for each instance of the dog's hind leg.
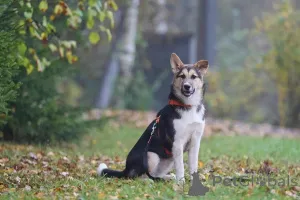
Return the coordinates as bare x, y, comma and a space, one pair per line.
153, 161
158, 168
164, 167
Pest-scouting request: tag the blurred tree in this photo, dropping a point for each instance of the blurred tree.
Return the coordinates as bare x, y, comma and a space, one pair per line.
207, 30
126, 49
46, 36
111, 65
260, 83
281, 62
46, 28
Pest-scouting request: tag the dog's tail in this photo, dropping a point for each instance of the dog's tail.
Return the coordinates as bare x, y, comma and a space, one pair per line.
102, 170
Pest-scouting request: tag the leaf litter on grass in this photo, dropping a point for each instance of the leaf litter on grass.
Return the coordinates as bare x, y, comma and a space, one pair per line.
52, 172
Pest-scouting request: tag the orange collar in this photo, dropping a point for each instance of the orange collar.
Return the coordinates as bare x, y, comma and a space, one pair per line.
177, 103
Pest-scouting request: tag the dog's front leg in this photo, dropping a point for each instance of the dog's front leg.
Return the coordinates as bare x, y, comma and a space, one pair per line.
194, 151
178, 161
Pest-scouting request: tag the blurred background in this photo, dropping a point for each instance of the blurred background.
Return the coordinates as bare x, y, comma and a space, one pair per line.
69, 57
251, 77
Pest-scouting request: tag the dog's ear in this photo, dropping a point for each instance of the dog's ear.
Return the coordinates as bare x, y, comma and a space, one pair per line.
202, 65
176, 63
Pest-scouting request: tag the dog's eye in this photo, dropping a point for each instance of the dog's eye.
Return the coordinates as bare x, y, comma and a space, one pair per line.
193, 77
182, 76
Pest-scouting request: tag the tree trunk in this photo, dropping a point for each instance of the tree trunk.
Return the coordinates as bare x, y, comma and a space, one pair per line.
207, 30
111, 67
127, 50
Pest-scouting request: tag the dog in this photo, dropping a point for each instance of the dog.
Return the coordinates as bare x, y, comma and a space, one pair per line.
177, 128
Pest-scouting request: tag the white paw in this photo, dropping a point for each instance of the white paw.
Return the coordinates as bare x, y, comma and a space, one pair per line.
169, 177
180, 181
173, 176
100, 168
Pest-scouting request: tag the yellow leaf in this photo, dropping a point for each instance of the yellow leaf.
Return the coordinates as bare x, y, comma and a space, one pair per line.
69, 56
200, 164
58, 9
43, 6
113, 5
101, 195
94, 37
52, 17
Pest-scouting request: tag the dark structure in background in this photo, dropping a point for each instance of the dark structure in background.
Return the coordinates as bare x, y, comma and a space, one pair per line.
189, 46
159, 51
206, 33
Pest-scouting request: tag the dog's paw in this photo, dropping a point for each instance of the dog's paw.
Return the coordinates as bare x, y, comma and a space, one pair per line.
169, 177
100, 168
180, 181
173, 176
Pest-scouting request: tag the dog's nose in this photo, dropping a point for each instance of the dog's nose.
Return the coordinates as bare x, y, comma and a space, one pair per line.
186, 86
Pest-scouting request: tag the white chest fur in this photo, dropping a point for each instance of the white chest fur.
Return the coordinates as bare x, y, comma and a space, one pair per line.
190, 123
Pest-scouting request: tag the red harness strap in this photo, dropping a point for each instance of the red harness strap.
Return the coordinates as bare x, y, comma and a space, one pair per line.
153, 128
177, 103
173, 103
169, 153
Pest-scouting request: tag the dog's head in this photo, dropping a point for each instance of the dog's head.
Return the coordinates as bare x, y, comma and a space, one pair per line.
188, 79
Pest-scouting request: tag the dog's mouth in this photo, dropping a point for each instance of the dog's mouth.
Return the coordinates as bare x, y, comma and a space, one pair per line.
187, 93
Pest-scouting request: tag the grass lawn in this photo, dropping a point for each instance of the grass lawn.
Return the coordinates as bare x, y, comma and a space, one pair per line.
69, 171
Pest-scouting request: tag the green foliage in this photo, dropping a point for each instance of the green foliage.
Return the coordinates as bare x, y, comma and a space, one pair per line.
266, 89
282, 61
47, 35
44, 26
40, 114
8, 60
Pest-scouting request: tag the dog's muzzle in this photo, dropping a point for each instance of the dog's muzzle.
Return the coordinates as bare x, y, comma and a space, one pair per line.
187, 89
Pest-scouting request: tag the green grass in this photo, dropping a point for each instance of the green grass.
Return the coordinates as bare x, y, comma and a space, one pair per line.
68, 171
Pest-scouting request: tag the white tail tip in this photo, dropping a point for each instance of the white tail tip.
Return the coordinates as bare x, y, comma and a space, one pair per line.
100, 168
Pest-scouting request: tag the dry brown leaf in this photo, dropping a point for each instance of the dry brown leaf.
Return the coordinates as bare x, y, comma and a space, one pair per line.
4, 160
39, 195
296, 188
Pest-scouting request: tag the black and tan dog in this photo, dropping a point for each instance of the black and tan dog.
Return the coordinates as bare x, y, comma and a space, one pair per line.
178, 128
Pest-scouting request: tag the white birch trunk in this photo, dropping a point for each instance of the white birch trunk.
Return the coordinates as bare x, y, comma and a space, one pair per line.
127, 49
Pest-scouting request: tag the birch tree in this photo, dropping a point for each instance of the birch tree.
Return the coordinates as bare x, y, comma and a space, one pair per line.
127, 49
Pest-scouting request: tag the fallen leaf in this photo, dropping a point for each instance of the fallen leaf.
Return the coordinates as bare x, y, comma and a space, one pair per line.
65, 173
296, 188
50, 153
200, 164
33, 156
27, 188
289, 193
4, 160
39, 195
101, 195
18, 179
